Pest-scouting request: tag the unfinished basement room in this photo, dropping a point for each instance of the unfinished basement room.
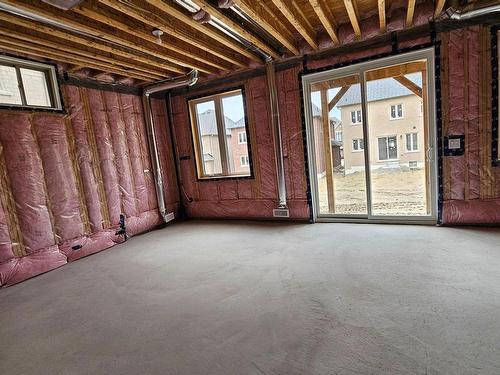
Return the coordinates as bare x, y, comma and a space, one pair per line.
249, 187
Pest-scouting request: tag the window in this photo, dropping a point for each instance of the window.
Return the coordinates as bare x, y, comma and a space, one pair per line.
338, 135
412, 142
244, 161
356, 117
28, 84
396, 111
220, 135
242, 138
387, 148
357, 144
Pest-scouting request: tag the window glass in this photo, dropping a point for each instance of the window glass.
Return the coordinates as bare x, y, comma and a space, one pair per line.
9, 88
221, 128
387, 148
411, 141
35, 87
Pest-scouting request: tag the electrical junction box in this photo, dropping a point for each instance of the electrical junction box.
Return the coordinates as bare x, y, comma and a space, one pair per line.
454, 145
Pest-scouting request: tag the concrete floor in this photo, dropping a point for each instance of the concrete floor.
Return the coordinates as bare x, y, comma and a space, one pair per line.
265, 298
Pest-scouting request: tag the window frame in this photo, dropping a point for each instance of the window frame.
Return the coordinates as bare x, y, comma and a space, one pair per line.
387, 147
361, 142
52, 83
191, 103
356, 111
412, 143
396, 112
247, 161
239, 138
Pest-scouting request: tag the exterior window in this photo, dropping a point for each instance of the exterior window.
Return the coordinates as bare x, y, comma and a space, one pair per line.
412, 142
220, 135
358, 145
356, 117
396, 111
242, 138
387, 148
338, 135
28, 84
244, 161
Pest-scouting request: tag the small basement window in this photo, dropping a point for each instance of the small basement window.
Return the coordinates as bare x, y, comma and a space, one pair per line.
220, 135
28, 84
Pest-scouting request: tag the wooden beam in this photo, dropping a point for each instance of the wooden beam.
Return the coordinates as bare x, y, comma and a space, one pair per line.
381, 16
413, 87
439, 8
158, 22
335, 83
213, 11
31, 49
202, 63
325, 117
87, 42
259, 12
350, 6
325, 21
215, 34
308, 35
337, 97
410, 12
112, 37
66, 48
397, 70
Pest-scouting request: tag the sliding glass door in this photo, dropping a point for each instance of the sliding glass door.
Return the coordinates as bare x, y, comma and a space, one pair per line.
371, 137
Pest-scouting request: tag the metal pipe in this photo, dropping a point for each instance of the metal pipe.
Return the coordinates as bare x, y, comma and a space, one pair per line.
278, 144
455, 14
186, 80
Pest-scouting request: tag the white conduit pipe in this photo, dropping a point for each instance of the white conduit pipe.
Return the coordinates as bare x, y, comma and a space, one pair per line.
186, 80
458, 15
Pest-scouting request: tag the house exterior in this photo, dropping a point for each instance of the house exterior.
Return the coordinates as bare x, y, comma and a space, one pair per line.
236, 140
396, 126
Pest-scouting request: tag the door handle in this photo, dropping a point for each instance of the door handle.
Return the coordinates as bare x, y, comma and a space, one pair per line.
429, 154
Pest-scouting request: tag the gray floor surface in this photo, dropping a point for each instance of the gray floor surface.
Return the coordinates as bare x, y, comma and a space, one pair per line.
265, 298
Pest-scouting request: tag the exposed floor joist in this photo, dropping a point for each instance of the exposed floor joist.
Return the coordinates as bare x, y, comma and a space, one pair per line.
350, 7
410, 12
439, 8
381, 16
326, 21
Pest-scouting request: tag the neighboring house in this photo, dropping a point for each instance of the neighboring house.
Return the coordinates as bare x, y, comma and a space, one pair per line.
236, 143
396, 127
335, 140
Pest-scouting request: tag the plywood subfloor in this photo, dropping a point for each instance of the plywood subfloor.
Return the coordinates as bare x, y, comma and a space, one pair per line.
265, 298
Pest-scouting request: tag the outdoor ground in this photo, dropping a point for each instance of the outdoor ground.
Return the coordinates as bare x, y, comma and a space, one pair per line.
394, 192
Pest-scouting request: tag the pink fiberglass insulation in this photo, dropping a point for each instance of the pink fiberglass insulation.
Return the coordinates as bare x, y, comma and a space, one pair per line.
5, 241
150, 184
89, 244
103, 137
59, 176
80, 129
143, 222
135, 152
166, 154
120, 150
24, 167
476, 211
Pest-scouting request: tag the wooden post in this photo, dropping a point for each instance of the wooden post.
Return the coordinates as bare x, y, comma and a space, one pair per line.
328, 150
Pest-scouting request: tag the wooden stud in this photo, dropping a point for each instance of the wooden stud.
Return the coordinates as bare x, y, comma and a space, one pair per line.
439, 8
325, 21
413, 87
410, 12
204, 29
381, 16
308, 35
213, 11
325, 116
261, 14
350, 6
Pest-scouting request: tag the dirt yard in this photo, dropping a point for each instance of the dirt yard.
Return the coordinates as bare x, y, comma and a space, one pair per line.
394, 192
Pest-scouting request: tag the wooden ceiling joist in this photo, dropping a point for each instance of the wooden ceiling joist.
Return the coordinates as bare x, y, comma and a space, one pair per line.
327, 23
381, 16
63, 47
202, 63
350, 6
213, 11
49, 30
439, 8
410, 12
215, 34
308, 35
260, 13
157, 22
112, 37
34, 50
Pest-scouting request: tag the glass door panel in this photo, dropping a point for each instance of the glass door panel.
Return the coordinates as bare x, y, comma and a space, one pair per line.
398, 128
339, 146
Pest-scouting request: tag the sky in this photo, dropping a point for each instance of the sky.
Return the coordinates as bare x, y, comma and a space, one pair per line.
232, 107
316, 99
